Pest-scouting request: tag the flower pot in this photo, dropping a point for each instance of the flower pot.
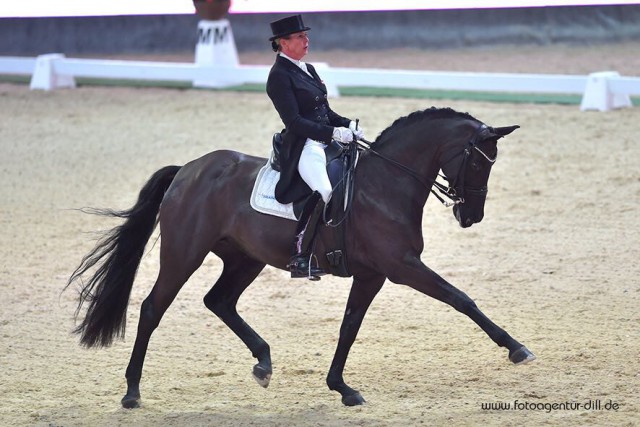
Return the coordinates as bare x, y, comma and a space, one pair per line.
212, 10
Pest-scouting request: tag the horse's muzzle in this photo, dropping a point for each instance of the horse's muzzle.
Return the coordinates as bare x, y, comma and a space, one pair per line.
464, 219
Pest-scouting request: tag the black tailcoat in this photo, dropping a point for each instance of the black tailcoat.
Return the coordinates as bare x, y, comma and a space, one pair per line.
301, 102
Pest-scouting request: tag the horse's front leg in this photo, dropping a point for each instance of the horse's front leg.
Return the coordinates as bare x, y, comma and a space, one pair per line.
363, 290
412, 272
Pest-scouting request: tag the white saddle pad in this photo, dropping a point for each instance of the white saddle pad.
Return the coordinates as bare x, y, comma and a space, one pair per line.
263, 197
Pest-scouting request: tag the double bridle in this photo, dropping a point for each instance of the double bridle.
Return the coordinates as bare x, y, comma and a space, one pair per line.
456, 191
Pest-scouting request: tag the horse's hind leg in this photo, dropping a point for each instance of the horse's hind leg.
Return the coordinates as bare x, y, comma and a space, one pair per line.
238, 273
174, 272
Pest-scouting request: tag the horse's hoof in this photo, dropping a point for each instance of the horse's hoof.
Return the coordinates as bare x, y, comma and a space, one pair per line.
131, 402
261, 375
522, 356
353, 399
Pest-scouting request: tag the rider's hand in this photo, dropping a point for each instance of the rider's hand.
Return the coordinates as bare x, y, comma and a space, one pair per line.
344, 135
359, 133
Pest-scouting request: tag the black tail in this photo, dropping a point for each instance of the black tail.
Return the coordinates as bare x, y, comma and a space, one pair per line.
116, 258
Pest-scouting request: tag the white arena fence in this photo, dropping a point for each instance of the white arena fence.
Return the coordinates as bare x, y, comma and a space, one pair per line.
600, 91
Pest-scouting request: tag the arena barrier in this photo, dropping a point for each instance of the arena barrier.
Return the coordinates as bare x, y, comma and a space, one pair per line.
600, 91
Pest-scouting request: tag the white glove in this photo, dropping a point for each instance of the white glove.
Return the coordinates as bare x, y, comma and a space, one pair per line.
359, 133
343, 135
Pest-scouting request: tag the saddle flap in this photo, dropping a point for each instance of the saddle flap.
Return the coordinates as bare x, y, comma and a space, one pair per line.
275, 153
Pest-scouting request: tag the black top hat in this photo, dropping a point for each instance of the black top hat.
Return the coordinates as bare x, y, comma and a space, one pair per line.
285, 26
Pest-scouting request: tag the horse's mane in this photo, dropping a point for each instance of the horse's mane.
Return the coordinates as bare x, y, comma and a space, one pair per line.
429, 113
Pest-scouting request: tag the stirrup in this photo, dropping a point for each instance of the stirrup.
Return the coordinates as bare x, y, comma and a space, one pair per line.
300, 266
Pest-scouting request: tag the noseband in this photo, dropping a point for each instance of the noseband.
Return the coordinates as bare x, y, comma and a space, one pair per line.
456, 191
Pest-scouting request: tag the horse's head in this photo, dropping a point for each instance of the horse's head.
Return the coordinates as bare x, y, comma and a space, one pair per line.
468, 173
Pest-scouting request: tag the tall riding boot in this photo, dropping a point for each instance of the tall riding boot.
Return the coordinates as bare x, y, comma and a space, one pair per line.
300, 264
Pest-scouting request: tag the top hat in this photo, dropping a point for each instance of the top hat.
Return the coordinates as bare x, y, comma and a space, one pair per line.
285, 26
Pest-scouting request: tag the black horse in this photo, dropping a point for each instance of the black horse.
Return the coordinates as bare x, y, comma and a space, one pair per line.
204, 207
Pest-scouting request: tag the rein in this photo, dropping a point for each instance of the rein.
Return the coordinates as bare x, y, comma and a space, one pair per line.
450, 191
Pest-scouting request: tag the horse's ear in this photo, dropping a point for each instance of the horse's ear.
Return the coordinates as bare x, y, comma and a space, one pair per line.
503, 131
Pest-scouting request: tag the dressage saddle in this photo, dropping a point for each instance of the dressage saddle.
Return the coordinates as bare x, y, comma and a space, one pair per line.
341, 161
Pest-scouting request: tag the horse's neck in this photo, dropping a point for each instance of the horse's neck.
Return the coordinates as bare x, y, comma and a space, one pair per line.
416, 151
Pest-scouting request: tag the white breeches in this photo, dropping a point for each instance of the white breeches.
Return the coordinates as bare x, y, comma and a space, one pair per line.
312, 167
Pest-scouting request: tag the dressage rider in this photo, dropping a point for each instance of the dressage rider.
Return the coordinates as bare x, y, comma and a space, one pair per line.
300, 97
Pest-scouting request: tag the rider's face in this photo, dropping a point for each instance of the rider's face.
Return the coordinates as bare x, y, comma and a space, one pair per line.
295, 45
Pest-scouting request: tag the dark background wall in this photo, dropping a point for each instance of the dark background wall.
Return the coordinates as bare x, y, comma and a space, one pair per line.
368, 30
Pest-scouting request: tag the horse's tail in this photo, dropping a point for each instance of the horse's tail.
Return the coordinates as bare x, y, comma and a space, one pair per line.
116, 257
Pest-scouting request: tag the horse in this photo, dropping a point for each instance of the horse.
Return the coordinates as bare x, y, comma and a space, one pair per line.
203, 207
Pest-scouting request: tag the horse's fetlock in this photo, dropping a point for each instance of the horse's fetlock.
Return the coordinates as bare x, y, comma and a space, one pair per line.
262, 351
503, 339
334, 382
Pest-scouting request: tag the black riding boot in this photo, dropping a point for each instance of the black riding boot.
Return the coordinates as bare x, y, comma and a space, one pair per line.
300, 264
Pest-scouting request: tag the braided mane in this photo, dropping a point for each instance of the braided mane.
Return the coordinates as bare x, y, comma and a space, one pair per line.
429, 113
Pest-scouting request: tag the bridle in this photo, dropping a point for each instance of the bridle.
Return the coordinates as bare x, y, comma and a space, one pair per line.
456, 191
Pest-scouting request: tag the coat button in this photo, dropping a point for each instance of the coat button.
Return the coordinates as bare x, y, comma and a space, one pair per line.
325, 96
317, 98
319, 118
